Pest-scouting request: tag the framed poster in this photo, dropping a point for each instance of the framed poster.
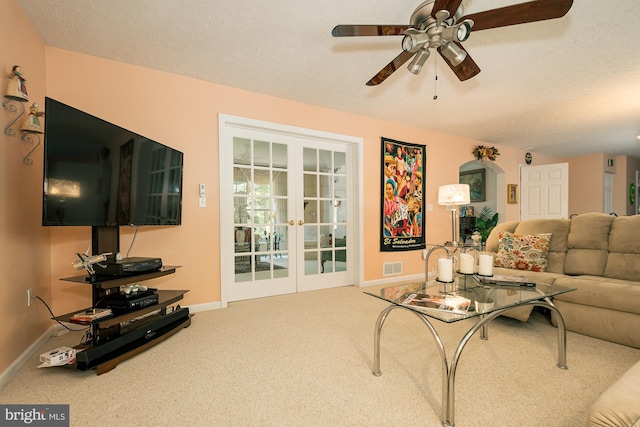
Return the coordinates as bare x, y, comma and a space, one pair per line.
477, 184
403, 167
512, 194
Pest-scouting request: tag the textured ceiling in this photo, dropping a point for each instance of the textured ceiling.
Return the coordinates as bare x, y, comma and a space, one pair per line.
565, 87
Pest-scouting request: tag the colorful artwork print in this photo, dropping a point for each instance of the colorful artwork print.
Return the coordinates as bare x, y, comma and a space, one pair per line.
402, 196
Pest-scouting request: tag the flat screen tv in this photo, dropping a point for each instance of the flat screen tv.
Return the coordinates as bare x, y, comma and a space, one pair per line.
101, 175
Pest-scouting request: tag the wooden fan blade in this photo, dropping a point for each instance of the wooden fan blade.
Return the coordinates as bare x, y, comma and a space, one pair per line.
390, 68
369, 30
532, 11
466, 69
449, 5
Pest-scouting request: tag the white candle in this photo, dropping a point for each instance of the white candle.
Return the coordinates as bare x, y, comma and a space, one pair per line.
466, 264
445, 270
485, 265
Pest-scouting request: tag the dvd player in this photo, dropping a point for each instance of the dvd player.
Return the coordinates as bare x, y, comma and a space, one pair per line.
129, 266
125, 303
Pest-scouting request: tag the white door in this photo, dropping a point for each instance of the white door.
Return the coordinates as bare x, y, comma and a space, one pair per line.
324, 216
261, 207
286, 216
544, 191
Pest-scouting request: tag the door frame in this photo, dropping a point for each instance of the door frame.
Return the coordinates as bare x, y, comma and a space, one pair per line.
609, 185
226, 123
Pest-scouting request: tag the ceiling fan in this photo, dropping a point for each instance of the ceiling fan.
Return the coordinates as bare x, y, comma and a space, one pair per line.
440, 24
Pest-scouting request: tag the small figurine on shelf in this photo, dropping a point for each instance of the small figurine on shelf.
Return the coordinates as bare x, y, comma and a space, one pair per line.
32, 122
476, 238
17, 88
87, 262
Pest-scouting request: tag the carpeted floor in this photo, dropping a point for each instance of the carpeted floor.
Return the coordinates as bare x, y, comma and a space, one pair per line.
306, 359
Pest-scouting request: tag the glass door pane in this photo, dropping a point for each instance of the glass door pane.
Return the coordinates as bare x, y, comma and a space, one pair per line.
325, 211
260, 210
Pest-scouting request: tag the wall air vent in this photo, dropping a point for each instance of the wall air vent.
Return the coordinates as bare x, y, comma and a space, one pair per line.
391, 268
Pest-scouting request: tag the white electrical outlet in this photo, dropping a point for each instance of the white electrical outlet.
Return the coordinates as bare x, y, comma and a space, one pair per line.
29, 296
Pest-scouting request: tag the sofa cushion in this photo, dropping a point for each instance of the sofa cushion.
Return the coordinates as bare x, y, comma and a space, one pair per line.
559, 229
623, 261
609, 325
594, 291
585, 261
588, 244
523, 252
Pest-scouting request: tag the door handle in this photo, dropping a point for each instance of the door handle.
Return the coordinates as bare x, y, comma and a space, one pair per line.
300, 222
291, 222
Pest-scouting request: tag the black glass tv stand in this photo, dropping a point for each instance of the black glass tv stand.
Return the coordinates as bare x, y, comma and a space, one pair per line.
125, 334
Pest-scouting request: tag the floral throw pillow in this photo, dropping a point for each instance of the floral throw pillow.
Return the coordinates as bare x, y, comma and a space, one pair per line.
523, 252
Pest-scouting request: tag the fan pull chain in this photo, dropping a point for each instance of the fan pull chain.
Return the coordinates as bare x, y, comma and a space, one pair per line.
435, 82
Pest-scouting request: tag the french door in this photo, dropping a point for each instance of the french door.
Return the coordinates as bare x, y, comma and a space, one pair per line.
286, 213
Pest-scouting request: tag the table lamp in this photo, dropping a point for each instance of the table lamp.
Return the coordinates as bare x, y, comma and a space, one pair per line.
453, 195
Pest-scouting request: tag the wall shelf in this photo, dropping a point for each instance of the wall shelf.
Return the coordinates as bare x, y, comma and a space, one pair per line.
32, 139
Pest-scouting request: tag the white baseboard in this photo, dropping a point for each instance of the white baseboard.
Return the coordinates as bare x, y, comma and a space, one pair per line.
204, 307
394, 280
8, 374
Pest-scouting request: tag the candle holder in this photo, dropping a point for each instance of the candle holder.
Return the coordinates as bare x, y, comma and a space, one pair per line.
444, 272
485, 264
445, 266
467, 260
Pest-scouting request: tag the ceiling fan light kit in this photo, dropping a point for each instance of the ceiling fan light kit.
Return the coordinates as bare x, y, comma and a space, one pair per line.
418, 61
442, 25
454, 54
459, 32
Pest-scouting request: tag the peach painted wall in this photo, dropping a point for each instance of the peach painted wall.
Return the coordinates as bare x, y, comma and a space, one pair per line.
24, 243
586, 184
183, 113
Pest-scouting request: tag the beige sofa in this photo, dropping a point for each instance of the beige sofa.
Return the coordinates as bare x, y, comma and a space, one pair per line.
619, 405
597, 254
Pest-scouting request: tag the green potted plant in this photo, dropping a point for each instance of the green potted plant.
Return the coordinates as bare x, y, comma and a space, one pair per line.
485, 222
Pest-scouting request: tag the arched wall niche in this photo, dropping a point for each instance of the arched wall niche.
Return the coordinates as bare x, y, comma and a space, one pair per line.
495, 187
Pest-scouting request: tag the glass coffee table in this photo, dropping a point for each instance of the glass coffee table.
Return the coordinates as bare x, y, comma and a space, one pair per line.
491, 301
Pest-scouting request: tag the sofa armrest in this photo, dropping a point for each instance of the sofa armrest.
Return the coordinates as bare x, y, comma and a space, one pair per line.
618, 405
491, 244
